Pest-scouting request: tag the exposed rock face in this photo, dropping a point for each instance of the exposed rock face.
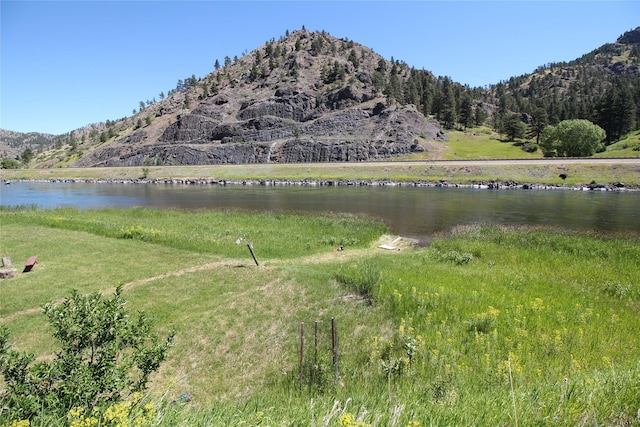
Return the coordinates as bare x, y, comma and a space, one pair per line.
630, 37
311, 107
350, 135
624, 68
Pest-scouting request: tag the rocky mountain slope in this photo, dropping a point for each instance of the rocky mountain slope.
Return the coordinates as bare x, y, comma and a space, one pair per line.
12, 144
308, 97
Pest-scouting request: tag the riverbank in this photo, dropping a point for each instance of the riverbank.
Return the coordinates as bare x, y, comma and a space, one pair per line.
579, 174
491, 185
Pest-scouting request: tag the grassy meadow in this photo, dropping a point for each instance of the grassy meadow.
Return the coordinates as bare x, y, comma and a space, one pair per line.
629, 146
486, 326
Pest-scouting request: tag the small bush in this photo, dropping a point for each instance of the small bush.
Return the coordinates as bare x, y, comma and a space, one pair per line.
458, 258
105, 356
8, 163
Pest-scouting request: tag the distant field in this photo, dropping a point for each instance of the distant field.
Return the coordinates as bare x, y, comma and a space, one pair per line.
540, 172
484, 144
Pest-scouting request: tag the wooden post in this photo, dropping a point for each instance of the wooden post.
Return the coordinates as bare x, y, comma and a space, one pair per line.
250, 246
301, 351
334, 348
315, 344
314, 371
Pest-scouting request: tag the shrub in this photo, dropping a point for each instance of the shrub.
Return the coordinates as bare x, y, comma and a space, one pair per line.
104, 357
529, 147
8, 163
458, 258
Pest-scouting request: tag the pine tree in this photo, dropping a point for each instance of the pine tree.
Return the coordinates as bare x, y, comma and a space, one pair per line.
616, 112
539, 120
513, 127
449, 108
479, 116
353, 58
393, 90
466, 111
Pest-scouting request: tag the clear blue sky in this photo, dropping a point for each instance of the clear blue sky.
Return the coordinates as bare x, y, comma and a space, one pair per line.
66, 64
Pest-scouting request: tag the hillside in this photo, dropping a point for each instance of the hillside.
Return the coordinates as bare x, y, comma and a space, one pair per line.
12, 144
311, 97
308, 97
602, 86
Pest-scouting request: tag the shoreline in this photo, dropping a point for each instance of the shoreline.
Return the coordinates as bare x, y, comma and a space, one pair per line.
483, 185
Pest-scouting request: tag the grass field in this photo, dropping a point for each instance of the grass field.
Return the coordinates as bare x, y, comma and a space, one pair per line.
482, 143
486, 326
629, 146
577, 174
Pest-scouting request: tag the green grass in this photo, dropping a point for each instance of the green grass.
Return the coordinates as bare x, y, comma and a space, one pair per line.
212, 232
481, 143
629, 146
396, 172
485, 326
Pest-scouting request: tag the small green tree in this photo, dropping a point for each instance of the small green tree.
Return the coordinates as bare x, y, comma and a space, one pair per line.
466, 111
539, 121
8, 163
479, 116
513, 127
104, 356
26, 156
353, 58
572, 138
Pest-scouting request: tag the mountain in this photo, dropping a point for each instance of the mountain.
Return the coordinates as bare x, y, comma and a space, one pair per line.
308, 97
311, 97
602, 86
12, 144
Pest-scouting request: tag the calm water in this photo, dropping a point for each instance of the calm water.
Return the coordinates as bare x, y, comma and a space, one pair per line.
408, 211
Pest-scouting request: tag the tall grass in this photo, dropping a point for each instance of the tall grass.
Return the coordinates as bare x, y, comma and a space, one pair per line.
487, 326
273, 235
555, 314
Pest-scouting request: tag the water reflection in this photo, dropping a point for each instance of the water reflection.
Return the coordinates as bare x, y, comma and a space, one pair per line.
407, 210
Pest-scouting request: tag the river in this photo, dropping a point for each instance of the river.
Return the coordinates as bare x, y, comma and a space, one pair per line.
408, 211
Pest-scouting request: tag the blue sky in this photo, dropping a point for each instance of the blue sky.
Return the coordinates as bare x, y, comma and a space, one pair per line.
66, 64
